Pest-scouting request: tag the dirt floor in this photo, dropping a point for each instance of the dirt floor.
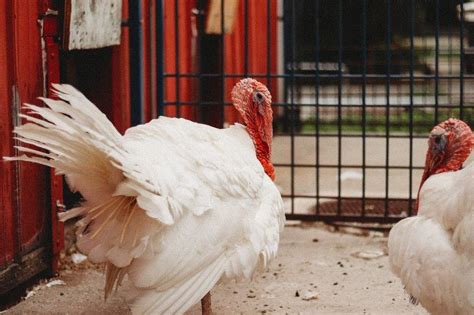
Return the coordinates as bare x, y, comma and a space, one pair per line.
319, 270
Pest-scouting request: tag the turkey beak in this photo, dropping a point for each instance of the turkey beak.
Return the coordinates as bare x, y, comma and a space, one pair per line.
438, 143
437, 147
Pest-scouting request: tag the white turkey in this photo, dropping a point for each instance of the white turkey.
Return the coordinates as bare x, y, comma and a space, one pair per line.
172, 205
433, 252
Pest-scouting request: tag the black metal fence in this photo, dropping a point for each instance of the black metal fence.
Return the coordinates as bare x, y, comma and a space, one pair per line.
359, 84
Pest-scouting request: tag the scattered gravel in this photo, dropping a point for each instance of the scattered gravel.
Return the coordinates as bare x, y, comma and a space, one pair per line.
308, 277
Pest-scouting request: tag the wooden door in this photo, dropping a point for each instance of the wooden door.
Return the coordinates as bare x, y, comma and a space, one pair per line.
29, 239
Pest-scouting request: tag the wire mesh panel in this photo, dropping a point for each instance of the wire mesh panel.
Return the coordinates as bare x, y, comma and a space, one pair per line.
357, 85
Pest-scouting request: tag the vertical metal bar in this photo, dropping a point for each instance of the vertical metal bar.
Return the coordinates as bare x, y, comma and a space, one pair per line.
199, 50
436, 116
246, 38
423, 84
52, 50
387, 105
412, 57
317, 79
269, 46
450, 58
364, 101
292, 103
339, 106
136, 62
222, 56
151, 49
160, 51
177, 58
461, 78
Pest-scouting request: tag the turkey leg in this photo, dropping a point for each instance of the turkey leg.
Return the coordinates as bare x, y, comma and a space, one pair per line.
206, 304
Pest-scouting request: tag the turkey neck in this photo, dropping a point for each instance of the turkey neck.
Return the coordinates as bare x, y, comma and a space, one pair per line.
262, 149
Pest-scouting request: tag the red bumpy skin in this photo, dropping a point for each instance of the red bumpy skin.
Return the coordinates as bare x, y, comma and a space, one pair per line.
449, 145
253, 101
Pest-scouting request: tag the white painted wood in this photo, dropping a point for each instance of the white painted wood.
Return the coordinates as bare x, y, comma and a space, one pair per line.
92, 23
213, 25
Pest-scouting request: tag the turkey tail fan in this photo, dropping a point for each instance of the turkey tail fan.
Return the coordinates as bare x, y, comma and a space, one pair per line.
79, 142
121, 210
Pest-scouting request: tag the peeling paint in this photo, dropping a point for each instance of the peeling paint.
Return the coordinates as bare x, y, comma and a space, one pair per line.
43, 58
93, 24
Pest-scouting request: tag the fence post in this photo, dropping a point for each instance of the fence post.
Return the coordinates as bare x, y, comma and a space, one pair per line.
210, 56
136, 61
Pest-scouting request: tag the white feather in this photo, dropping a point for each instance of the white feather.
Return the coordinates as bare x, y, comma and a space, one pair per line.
175, 204
177, 299
433, 253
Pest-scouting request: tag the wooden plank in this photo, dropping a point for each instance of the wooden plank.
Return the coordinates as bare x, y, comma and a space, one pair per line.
7, 242
19, 272
92, 24
33, 186
51, 48
120, 80
214, 19
24, 187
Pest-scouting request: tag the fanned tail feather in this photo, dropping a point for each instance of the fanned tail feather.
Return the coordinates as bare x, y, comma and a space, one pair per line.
121, 210
113, 278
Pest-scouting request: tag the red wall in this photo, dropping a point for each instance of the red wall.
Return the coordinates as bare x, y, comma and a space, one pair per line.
186, 60
234, 51
120, 79
25, 205
257, 52
6, 174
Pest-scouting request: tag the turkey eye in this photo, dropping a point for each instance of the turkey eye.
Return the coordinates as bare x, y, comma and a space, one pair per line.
258, 97
439, 144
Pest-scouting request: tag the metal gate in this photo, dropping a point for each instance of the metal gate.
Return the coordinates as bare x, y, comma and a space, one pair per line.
357, 86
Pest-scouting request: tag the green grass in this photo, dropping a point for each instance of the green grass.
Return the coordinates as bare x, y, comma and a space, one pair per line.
375, 123
352, 127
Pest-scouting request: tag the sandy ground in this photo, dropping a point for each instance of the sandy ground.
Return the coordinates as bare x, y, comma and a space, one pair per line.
315, 262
